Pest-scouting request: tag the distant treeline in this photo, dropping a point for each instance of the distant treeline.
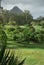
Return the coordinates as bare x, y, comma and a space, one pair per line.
19, 19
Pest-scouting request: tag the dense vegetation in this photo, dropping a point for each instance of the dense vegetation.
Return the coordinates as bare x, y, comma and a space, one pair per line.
20, 30
24, 34
6, 56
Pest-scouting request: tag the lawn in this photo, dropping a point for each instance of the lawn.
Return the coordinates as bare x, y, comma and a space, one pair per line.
33, 56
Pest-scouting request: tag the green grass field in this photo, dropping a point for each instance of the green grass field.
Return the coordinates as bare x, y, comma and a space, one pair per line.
33, 56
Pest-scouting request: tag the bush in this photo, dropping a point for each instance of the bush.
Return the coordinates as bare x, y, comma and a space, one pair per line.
7, 57
22, 35
37, 37
25, 34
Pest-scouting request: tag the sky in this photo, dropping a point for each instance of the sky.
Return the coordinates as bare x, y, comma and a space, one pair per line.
36, 7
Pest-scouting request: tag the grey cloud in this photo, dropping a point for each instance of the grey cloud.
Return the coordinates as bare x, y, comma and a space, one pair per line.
33, 2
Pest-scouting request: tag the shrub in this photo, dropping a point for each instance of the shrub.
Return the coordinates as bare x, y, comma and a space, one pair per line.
22, 35
7, 57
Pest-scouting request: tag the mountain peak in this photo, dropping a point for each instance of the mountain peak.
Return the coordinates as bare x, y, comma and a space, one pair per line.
16, 10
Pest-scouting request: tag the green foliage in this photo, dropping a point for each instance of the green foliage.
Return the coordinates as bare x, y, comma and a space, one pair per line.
7, 57
28, 34
25, 34
1, 20
3, 37
36, 36
22, 35
2, 52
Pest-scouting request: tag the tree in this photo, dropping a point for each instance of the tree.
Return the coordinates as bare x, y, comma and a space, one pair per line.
28, 16
5, 17
1, 20
21, 19
11, 16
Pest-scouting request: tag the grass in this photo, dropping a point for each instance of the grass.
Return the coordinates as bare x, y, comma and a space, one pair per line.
13, 44
33, 56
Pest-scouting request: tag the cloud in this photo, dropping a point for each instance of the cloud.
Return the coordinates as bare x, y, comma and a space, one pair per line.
36, 7
33, 2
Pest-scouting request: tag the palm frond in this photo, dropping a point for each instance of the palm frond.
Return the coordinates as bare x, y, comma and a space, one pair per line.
22, 62
2, 52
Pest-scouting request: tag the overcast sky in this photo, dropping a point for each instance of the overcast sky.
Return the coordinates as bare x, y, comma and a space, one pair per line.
36, 7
